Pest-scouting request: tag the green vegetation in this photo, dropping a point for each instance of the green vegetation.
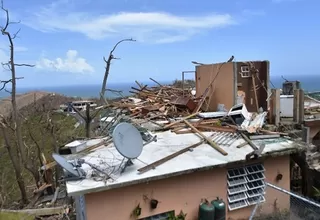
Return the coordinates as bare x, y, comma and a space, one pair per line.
188, 83
42, 132
16, 216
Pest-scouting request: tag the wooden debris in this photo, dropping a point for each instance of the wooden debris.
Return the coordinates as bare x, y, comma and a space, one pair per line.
54, 199
212, 144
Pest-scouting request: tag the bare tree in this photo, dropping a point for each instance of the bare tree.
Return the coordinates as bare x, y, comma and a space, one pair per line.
15, 148
87, 118
108, 64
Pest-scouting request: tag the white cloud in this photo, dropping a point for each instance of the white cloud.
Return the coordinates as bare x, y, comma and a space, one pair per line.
143, 26
71, 63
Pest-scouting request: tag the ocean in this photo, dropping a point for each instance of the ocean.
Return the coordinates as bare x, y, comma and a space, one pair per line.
309, 83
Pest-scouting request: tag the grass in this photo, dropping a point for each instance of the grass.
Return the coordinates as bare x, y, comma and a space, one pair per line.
15, 216
64, 132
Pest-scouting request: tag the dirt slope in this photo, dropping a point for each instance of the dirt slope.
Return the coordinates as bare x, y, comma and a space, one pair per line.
22, 101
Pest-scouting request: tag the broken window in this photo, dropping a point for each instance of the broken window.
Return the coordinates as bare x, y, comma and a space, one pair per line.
245, 186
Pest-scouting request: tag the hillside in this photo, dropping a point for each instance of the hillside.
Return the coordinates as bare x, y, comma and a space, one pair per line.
38, 133
22, 101
34, 101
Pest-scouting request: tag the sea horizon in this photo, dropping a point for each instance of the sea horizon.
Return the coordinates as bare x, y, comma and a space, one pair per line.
308, 83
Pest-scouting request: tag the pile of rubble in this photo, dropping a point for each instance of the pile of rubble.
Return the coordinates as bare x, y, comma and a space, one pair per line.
166, 107
160, 102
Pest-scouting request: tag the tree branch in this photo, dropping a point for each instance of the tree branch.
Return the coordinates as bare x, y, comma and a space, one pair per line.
4, 83
21, 156
24, 64
108, 63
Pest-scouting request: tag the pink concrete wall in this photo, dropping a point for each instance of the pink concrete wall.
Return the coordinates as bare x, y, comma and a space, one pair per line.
184, 193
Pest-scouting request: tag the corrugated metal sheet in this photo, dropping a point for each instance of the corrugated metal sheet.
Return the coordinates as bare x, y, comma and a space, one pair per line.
256, 122
225, 138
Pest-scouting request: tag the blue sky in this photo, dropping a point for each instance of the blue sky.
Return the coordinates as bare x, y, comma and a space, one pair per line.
66, 39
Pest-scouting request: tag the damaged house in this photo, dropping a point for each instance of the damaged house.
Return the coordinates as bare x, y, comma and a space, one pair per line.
171, 155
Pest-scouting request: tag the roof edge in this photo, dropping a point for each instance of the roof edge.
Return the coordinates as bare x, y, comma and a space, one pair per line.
146, 180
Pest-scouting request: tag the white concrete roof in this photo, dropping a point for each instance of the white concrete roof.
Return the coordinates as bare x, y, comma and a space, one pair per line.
203, 156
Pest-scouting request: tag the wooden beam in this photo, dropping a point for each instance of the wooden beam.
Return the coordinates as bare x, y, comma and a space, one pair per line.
255, 91
181, 120
210, 142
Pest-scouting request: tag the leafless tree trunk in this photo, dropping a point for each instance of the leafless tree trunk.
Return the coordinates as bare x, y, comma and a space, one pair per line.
108, 64
20, 158
87, 118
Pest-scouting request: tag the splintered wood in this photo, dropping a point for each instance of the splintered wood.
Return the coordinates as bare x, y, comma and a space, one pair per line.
160, 102
167, 103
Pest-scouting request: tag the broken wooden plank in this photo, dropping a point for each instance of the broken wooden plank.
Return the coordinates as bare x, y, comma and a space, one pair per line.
242, 144
54, 199
181, 120
155, 82
210, 142
187, 131
42, 188
255, 91
245, 137
202, 100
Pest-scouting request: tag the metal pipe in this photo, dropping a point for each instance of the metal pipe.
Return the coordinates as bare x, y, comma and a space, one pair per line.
294, 195
258, 203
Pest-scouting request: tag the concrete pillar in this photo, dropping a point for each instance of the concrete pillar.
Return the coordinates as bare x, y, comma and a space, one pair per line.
274, 109
298, 106
306, 135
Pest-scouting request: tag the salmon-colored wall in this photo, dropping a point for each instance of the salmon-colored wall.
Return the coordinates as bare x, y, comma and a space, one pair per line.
184, 193
223, 88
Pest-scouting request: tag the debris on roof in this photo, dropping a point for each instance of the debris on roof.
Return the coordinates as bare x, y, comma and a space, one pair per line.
172, 154
177, 137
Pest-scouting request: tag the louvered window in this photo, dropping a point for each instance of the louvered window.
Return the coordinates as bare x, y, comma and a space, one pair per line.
162, 216
245, 186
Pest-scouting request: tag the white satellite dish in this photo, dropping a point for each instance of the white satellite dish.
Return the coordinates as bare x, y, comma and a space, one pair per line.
72, 171
127, 140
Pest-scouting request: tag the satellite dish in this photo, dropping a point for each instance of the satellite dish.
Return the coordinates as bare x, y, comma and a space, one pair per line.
127, 140
72, 171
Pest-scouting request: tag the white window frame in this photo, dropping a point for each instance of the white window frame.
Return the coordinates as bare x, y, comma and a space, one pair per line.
161, 216
245, 186
245, 72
